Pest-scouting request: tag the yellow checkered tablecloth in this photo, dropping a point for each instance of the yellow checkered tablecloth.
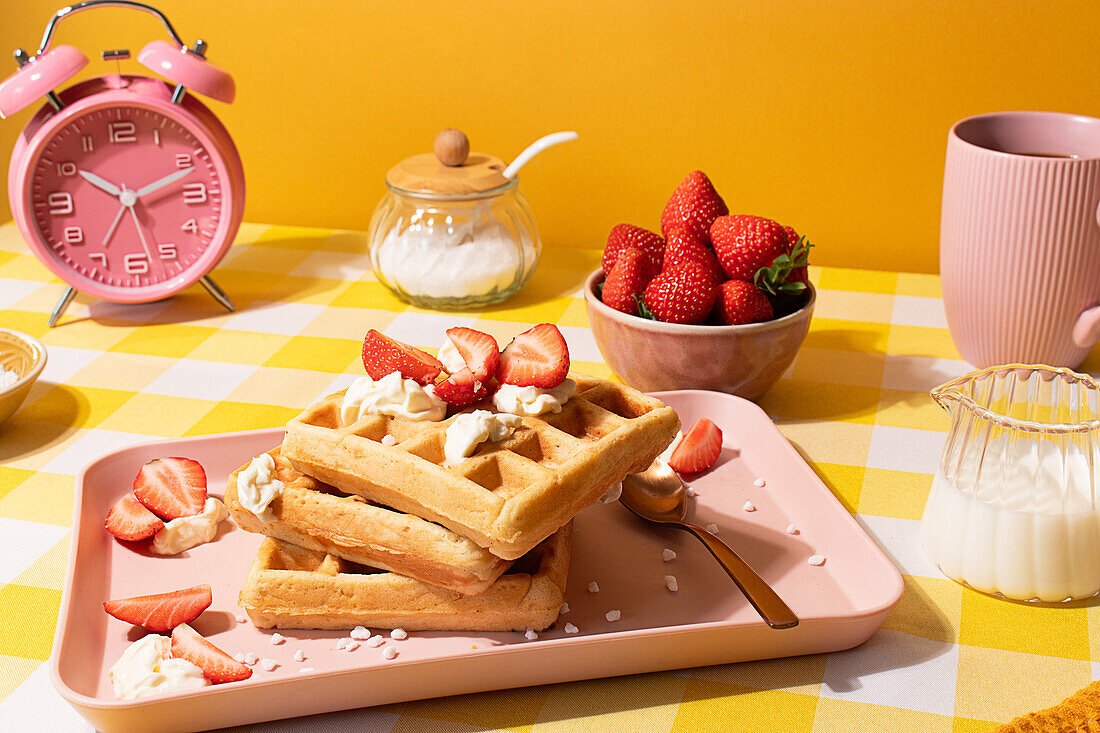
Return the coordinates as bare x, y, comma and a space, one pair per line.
855, 403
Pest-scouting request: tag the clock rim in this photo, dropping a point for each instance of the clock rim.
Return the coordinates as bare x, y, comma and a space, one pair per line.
152, 94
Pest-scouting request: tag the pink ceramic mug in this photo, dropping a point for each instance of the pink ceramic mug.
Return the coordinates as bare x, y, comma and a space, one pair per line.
1020, 238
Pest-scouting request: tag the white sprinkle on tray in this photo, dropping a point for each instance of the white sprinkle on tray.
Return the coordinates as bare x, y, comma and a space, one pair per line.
241, 619
760, 483
571, 629
817, 560
613, 615
791, 529
268, 664
691, 492
306, 670
239, 657
668, 554
399, 634
251, 658
361, 633
712, 528
299, 656
593, 587
748, 506
277, 638
671, 584
530, 634
389, 652
565, 607
376, 641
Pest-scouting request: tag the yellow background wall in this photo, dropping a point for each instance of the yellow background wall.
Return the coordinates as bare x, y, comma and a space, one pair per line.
830, 116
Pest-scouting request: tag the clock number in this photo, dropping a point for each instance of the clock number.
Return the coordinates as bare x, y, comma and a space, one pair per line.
183, 160
194, 193
167, 251
121, 132
67, 168
190, 226
99, 257
86, 144
60, 203
74, 235
136, 263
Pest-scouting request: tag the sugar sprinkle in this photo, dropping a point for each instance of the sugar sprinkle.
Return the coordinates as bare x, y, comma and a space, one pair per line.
668, 554
818, 560
691, 492
362, 633
239, 657
389, 440
241, 619
251, 658
389, 652
748, 506
399, 634
760, 482
593, 587
277, 638
791, 529
530, 634
565, 607
671, 584
306, 670
571, 629
613, 615
299, 656
268, 664
712, 528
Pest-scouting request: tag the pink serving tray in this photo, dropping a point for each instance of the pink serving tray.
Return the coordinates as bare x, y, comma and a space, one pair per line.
707, 621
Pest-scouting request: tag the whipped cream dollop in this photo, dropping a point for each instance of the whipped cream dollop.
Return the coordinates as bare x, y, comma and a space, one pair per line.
391, 395
183, 533
146, 668
533, 401
450, 357
471, 429
257, 486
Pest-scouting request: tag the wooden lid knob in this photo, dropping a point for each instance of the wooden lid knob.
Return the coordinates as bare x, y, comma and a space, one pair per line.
451, 147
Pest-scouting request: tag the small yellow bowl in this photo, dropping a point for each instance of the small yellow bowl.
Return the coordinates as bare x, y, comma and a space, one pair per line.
26, 356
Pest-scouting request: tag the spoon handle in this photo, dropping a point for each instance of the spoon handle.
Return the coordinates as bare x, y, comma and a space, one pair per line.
767, 603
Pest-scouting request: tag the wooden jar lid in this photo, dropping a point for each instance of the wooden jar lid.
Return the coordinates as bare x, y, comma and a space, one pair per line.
427, 173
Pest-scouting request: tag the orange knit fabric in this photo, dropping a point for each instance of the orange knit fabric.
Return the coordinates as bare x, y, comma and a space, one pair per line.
1079, 713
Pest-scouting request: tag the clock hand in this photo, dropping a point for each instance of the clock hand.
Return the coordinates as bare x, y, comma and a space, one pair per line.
141, 234
100, 183
161, 183
114, 225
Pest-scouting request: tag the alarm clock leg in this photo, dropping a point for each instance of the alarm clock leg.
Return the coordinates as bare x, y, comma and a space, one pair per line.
218, 294
62, 304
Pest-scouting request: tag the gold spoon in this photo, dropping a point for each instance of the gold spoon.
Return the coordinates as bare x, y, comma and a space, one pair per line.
657, 495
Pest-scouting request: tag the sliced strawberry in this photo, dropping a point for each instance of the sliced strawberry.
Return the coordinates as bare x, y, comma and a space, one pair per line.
216, 665
538, 357
479, 350
171, 487
129, 520
383, 355
699, 449
161, 611
461, 388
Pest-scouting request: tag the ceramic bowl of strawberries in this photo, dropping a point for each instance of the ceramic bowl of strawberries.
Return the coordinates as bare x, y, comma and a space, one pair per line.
715, 301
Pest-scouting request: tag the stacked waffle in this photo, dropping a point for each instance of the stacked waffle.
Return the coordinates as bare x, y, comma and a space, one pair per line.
372, 525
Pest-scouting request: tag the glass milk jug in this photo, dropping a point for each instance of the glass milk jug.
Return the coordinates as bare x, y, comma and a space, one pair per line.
1012, 509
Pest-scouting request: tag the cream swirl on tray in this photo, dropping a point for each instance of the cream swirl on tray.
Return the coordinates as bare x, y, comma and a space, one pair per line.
146, 669
391, 395
257, 486
183, 533
533, 401
471, 429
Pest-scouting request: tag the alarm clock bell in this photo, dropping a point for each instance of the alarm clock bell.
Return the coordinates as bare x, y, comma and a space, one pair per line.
126, 187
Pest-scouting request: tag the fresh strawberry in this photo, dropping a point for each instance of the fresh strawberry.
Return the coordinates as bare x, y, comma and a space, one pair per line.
746, 243
538, 357
739, 301
699, 449
695, 204
625, 284
383, 355
216, 665
171, 487
800, 247
461, 388
685, 247
479, 350
161, 611
628, 236
787, 275
683, 295
129, 520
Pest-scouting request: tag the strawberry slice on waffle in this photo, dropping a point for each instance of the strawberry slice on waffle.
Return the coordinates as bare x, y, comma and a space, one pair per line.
479, 350
538, 357
383, 355
129, 520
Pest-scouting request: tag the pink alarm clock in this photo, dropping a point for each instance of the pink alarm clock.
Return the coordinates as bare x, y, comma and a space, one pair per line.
127, 188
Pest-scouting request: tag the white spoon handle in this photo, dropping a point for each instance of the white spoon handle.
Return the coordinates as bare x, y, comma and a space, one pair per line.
535, 148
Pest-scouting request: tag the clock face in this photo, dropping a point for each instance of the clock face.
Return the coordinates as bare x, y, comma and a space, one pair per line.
126, 197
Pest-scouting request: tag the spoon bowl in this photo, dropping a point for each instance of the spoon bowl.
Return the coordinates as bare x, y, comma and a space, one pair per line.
658, 495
